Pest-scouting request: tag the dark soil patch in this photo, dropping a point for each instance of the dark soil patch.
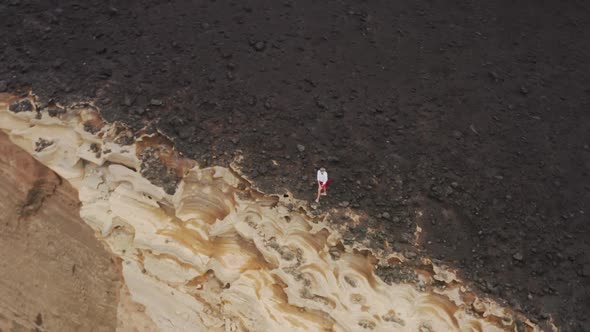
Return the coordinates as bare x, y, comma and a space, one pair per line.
468, 118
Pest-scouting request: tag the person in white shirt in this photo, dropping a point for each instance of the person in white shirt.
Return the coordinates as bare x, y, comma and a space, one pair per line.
322, 183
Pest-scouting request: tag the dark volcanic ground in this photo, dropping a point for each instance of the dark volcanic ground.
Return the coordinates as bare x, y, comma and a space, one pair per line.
470, 118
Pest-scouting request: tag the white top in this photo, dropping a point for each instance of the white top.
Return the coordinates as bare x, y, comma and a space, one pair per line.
322, 177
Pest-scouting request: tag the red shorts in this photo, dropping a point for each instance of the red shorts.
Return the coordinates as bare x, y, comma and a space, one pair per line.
324, 185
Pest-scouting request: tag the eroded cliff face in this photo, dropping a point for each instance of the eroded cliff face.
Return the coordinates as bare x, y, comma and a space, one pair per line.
54, 274
201, 249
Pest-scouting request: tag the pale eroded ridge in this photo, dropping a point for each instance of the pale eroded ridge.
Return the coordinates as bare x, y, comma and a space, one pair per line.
217, 255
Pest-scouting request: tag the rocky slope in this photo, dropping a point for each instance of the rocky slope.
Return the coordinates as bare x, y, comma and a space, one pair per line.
467, 119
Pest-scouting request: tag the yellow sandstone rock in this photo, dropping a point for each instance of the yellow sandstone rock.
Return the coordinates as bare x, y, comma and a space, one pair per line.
216, 255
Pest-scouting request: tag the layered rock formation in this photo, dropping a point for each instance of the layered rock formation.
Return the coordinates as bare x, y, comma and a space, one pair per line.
201, 249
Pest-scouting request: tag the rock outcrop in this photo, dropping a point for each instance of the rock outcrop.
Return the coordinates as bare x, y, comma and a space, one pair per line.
201, 249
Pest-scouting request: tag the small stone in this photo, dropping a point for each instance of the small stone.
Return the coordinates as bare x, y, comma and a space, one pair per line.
344, 204
300, 148
410, 255
392, 317
287, 253
320, 103
335, 253
367, 324
490, 287
518, 256
57, 63
39, 318
94, 148
494, 76
54, 111
386, 215
259, 46
235, 140
449, 191
457, 134
24, 105
156, 102
127, 101
41, 144
138, 110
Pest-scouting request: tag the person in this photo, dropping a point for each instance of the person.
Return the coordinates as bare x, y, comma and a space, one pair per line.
323, 183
